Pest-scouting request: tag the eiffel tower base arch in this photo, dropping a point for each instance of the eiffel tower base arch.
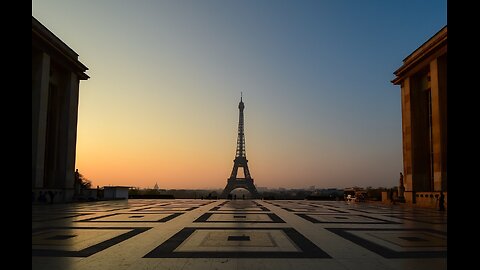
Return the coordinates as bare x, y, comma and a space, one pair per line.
240, 183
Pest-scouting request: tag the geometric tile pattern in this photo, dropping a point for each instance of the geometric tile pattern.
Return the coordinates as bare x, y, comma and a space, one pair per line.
239, 217
220, 242
234, 234
55, 216
398, 243
313, 209
137, 217
424, 218
344, 219
79, 241
241, 205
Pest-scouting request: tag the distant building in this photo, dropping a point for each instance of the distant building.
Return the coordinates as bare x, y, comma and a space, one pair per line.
423, 81
56, 75
115, 192
351, 191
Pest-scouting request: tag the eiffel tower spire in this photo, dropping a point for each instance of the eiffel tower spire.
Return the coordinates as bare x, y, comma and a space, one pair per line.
241, 135
240, 161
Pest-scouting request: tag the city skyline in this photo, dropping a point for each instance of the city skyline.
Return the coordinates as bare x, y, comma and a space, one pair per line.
166, 76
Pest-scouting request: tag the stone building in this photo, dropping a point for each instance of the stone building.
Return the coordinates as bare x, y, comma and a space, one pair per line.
56, 75
423, 82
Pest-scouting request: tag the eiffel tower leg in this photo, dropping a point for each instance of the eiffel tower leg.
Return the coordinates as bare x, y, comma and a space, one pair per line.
228, 188
234, 171
253, 191
246, 172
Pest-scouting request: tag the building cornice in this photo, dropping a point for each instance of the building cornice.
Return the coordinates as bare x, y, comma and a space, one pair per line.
42, 34
435, 46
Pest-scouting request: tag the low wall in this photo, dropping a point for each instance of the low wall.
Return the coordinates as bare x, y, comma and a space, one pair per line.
43, 195
420, 199
429, 199
151, 196
385, 198
89, 194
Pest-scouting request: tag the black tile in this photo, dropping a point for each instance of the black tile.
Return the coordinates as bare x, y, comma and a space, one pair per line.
61, 237
238, 238
412, 238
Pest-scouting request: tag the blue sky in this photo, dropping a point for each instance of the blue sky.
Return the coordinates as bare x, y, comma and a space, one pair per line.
166, 76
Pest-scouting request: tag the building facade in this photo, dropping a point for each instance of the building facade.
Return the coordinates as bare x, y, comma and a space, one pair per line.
56, 75
423, 82
115, 192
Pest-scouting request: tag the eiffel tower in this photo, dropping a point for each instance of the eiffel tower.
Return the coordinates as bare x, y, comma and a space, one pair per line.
240, 161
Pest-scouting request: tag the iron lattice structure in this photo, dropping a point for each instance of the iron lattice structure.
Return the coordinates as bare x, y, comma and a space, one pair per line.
240, 161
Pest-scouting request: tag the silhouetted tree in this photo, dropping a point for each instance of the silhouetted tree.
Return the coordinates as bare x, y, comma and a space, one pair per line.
83, 181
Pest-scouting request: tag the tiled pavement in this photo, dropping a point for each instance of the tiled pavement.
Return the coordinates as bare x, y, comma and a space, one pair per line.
220, 234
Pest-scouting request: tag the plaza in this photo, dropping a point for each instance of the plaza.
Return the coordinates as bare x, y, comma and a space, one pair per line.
237, 234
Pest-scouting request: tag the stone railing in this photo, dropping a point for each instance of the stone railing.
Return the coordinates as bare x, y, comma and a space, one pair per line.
429, 199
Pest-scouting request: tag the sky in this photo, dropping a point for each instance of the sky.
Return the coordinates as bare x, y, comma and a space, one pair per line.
161, 104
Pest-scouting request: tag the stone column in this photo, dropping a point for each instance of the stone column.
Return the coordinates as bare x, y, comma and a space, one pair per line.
407, 134
67, 135
72, 118
407, 140
438, 91
40, 83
